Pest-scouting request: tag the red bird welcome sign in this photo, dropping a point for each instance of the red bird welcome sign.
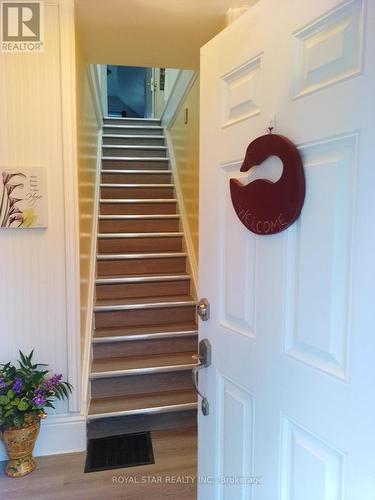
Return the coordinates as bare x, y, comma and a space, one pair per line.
266, 207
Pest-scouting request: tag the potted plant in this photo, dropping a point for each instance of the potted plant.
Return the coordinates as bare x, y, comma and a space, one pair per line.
25, 392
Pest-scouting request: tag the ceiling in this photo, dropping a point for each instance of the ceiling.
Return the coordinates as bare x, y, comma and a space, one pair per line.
159, 33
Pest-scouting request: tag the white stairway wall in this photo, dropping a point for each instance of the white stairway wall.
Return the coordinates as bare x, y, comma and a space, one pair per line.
39, 277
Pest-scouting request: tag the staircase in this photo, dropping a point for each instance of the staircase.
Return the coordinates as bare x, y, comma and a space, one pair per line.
144, 314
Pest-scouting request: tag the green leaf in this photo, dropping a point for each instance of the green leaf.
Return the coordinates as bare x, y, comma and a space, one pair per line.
4, 400
18, 421
67, 386
23, 358
11, 394
65, 391
23, 405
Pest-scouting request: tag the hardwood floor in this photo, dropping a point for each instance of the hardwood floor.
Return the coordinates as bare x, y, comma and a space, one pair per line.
61, 477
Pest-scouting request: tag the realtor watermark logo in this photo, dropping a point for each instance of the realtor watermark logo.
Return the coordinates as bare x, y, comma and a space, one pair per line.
22, 26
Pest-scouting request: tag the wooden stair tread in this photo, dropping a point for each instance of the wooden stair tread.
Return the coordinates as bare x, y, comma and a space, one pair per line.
131, 147
134, 184
138, 216
145, 300
139, 401
136, 159
145, 330
133, 136
135, 172
138, 200
120, 125
127, 119
147, 275
140, 362
134, 255
175, 233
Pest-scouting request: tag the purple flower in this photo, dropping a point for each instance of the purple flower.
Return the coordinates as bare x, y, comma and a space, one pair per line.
2, 383
52, 383
38, 399
56, 379
17, 385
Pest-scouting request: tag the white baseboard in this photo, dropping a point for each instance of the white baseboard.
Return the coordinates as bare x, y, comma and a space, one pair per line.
58, 434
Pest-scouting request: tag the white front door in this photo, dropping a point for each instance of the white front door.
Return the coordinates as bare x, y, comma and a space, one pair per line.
291, 387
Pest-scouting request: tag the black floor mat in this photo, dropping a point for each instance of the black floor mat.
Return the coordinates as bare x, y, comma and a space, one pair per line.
116, 452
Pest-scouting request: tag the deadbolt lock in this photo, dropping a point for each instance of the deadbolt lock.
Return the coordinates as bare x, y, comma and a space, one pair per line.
204, 361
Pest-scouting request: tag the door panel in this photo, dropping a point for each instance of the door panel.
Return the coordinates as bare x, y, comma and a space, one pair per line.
307, 460
235, 407
238, 266
319, 269
329, 49
291, 386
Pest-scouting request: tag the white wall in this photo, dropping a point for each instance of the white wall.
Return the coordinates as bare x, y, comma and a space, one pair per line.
171, 76
39, 277
183, 143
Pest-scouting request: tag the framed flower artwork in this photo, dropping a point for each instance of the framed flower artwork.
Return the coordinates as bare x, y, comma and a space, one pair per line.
23, 200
